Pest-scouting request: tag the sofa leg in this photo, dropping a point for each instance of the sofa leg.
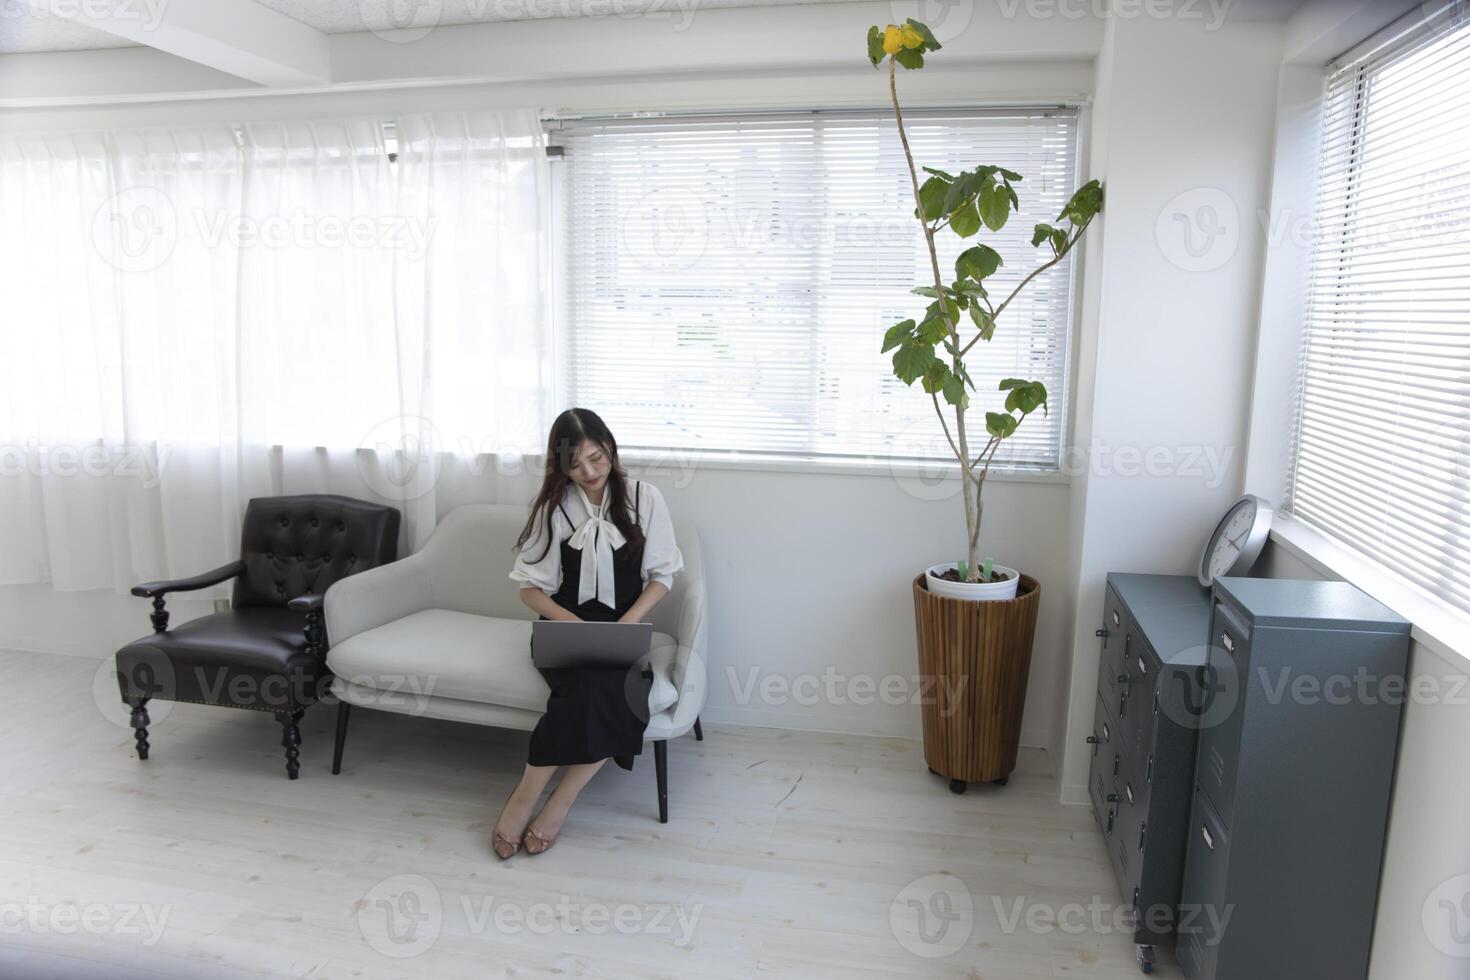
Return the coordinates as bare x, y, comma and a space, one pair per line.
140, 727
698, 732
291, 740
343, 708
661, 767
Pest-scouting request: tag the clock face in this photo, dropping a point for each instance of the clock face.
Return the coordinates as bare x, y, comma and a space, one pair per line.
1237, 541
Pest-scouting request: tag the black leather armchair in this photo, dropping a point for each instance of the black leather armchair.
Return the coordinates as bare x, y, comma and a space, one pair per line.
268, 652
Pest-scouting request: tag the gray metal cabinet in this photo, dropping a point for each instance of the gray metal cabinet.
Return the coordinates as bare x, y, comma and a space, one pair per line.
1297, 737
1152, 659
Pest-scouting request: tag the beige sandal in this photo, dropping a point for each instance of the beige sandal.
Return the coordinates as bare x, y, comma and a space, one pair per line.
497, 838
531, 835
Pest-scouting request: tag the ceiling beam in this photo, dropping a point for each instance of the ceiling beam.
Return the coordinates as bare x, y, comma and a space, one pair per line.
238, 37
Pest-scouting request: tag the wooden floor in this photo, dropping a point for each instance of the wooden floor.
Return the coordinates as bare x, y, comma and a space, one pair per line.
787, 855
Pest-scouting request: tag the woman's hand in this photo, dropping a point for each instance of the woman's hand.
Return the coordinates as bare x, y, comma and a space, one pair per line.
547, 606
652, 593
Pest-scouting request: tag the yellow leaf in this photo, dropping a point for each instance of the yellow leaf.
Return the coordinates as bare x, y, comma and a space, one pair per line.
911, 38
893, 39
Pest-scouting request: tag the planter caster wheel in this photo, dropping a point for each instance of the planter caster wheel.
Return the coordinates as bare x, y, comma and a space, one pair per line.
1146, 959
1001, 781
957, 786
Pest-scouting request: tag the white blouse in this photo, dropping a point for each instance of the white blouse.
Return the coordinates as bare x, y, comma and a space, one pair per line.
591, 528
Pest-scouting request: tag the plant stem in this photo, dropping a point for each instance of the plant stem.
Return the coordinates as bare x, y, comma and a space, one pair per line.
968, 484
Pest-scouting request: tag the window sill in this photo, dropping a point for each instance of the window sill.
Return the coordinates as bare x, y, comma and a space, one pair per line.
687, 460
1436, 623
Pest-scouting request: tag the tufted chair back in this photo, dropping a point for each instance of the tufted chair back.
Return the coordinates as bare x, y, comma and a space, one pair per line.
299, 545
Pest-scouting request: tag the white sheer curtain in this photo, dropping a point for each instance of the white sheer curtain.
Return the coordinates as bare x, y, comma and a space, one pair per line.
194, 316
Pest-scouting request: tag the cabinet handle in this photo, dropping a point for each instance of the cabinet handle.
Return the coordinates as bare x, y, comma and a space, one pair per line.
1128, 788
1227, 643
1093, 740
1205, 833
1142, 667
1111, 798
1100, 633
1116, 621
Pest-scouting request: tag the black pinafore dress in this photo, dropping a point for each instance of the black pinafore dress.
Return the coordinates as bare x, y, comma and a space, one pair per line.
594, 713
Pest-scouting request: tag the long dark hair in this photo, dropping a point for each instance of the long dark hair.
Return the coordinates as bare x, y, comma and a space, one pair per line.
569, 431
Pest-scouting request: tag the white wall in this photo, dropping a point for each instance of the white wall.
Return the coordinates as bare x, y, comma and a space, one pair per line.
808, 575
1190, 125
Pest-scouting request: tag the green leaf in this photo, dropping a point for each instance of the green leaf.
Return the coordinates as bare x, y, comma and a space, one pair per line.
1086, 203
1041, 233
977, 262
934, 328
931, 43
897, 334
954, 391
910, 58
931, 197
875, 45
983, 321
1025, 396
965, 220
999, 424
911, 360
936, 376
994, 206
938, 173
1009, 174
928, 291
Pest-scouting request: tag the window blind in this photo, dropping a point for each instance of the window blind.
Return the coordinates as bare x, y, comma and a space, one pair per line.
1382, 447
729, 279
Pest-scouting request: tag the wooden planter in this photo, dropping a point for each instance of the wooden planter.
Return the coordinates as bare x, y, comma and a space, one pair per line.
974, 660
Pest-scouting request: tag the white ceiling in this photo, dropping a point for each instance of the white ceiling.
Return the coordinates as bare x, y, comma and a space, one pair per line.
23, 31
347, 16
28, 27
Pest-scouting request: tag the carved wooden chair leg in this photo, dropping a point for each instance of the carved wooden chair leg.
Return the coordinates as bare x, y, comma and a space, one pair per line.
291, 740
661, 767
140, 726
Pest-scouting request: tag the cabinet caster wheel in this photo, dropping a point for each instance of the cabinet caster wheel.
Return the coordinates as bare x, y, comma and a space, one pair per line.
957, 786
1146, 959
1001, 781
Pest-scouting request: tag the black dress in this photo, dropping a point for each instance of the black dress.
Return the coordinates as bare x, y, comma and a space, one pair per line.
594, 712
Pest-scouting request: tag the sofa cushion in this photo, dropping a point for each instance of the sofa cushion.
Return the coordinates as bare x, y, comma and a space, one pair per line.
460, 655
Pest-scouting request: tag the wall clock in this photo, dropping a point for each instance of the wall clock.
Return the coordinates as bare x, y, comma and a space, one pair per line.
1237, 540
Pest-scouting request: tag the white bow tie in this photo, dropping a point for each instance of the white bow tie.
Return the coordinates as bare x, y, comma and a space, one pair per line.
597, 578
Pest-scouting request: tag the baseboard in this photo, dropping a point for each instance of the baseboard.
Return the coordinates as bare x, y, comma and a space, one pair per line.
31, 644
829, 725
1075, 794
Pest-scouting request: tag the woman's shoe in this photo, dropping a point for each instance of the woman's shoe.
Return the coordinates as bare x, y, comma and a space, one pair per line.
497, 839
535, 843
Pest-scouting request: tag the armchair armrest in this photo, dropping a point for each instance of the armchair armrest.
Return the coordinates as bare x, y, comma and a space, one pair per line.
203, 581
369, 599
307, 603
689, 662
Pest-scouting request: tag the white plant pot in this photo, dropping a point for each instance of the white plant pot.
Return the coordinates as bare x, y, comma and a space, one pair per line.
1004, 589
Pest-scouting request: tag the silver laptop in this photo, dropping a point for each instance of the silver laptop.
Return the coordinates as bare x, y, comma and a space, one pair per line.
559, 643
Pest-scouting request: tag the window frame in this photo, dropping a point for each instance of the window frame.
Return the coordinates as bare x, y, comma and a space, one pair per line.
676, 459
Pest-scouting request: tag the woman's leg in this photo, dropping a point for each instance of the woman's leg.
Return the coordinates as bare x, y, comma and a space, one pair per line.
548, 822
517, 810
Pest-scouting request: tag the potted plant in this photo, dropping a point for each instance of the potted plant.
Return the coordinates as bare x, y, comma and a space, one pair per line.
975, 619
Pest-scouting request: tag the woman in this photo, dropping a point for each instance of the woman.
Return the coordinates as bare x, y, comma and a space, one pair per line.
609, 556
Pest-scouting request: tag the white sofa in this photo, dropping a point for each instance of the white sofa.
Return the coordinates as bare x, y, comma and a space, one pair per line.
444, 634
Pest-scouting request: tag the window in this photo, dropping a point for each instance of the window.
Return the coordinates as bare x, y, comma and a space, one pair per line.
1383, 424
729, 279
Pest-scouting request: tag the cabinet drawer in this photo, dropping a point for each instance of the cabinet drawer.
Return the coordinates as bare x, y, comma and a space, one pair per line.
1139, 676
1223, 681
1104, 769
1202, 900
1114, 634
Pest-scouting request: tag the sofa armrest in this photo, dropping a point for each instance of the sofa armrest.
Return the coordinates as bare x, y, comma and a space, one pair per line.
370, 599
689, 662
201, 581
